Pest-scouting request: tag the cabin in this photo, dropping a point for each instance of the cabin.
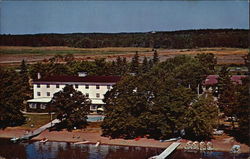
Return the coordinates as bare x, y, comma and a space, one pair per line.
93, 87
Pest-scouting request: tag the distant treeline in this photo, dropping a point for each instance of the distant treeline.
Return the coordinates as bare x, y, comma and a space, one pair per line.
172, 40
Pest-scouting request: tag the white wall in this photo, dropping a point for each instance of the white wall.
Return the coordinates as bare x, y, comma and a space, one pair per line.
81, 87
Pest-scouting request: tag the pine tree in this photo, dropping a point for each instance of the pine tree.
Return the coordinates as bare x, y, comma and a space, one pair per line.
24, 83
135, 63
227, 94
155, 57
145, 67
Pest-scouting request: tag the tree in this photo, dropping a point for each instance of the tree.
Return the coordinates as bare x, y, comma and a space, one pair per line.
155, 57
71, 107
24, 80
135, 63
207, 59
227, 100
11, 99
201, 118
224, 80
144, 66
243, 108
190, 73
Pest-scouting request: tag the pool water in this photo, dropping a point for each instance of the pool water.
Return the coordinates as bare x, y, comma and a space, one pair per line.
95, 118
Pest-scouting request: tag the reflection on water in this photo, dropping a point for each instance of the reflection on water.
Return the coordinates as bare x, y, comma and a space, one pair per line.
63, 150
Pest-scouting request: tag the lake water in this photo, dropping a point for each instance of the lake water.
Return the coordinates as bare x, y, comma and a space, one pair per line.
63, 150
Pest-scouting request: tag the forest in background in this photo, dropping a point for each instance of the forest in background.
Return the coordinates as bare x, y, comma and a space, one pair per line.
237, 38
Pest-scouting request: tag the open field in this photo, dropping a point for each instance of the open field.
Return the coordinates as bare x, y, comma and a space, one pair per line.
12, 55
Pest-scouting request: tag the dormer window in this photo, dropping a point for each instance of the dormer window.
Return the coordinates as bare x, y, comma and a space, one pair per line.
38, 86
48, 86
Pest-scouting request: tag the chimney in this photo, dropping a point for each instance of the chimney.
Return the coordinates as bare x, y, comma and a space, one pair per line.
38, 75
82, 74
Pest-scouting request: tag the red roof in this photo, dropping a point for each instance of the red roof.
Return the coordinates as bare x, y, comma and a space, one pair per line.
213, 79
91, 79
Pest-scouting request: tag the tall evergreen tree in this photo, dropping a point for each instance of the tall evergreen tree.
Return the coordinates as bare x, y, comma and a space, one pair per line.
155, 57
227, 94
224, 79
243, 109
24, 83
144, 66
135, 63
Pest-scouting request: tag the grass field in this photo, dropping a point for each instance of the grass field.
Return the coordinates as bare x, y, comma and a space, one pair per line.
13, 55
69, 50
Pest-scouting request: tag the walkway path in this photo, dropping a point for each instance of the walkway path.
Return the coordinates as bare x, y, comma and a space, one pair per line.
39, 130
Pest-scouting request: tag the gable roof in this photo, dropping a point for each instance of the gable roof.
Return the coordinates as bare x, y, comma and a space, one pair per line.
213, 79
90, 79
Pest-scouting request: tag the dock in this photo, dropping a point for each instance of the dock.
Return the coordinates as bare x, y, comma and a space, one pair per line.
167, 151
39, 130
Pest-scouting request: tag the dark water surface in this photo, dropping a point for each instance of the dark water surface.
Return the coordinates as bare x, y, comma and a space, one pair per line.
63, 150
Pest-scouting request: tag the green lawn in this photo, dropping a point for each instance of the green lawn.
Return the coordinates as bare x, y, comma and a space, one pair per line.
36, 120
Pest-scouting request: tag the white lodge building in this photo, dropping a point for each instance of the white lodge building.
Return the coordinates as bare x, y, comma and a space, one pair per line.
93, 87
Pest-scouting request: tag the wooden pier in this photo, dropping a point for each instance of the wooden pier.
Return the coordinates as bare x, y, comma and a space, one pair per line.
167, 151
39, 130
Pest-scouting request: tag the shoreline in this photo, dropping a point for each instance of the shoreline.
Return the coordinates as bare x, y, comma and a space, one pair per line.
221, 145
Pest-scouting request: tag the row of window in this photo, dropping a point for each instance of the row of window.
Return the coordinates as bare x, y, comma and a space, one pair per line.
76, 86
87, 95
34, 106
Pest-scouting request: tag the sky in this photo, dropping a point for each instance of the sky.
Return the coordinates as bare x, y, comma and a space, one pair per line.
32, 17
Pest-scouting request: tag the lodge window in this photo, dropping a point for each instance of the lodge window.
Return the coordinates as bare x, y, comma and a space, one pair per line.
48, 85
87, 95
108, 86
57, 85
97, 95
76, 86
38, 86
43, 106
86, 86
32, 105
93, 107
38, 93
48, 94
97, 86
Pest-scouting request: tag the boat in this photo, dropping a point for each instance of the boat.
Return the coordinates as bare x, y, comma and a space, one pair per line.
44, 140
81, 142
15, 139
235, 149
172, 139
97, 144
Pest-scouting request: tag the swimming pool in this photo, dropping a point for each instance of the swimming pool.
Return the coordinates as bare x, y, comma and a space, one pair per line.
95, 118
